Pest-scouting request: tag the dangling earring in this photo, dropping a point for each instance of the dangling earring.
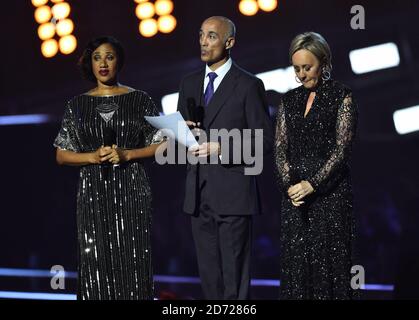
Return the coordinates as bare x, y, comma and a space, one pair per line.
297, 79
325, 74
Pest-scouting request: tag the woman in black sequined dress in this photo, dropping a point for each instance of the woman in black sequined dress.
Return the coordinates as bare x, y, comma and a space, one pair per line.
315, 128
114, 198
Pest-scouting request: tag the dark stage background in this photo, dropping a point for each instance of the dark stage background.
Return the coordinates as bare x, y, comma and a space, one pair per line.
38, 198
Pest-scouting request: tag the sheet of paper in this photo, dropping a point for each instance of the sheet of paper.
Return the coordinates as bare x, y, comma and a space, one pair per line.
175, 127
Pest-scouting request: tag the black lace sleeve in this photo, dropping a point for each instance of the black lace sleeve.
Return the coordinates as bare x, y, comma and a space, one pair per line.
345, 133
281, 147
67, 136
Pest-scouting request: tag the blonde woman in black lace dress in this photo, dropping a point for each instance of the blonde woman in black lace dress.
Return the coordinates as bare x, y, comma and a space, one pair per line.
114, 195
315, 129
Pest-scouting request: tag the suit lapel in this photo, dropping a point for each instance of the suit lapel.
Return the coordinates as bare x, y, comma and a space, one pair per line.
220, 96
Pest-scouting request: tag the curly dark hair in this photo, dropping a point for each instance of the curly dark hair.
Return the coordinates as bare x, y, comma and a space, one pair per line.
85, 61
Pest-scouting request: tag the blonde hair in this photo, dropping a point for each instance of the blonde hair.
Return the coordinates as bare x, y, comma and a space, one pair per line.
316, 44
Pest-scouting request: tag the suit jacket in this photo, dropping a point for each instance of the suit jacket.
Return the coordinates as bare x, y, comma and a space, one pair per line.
238, 103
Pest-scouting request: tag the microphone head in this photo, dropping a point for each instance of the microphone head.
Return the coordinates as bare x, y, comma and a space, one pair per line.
200, 114
191, 109
109, 137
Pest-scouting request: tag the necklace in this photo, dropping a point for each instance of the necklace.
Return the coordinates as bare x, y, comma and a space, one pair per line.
107, 108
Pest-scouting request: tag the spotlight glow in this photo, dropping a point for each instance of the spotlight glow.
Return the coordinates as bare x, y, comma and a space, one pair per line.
49, 48
169, 103
248, 7
374, 58
43, 14
280, 80
163, 7
68, 44
406, 120
145, 10
38, 3
267, 5
148, 28
166, 24
46, 31
61, 10
65, 27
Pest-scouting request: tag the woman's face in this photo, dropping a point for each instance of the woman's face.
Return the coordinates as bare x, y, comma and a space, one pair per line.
104, 63
306, 67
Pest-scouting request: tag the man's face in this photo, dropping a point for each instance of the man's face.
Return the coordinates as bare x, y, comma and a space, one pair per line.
212, 39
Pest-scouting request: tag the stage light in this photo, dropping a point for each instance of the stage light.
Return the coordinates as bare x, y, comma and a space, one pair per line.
68, 44
169, 103
140, 1
43, 14
248, 7
163, 7
38, 3
49, 48
280, 80
406, 120
267, 5
148, 27
53, 21
46, 31
166, 24
145, 10
374, 58
61, 10
155, 17
18, 120
65, 27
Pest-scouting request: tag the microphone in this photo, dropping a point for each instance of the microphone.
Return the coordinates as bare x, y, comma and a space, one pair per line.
191, 109
200, 115
109, 139
196, 113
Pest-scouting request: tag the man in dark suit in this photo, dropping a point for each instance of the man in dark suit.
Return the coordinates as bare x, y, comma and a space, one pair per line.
220, 197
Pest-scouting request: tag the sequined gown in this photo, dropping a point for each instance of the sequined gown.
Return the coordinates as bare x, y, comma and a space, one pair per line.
317, 238
113, 203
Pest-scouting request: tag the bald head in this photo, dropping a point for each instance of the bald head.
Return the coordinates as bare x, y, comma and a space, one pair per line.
226, 24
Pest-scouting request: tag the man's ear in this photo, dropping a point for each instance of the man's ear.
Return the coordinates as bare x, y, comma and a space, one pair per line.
230, 43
